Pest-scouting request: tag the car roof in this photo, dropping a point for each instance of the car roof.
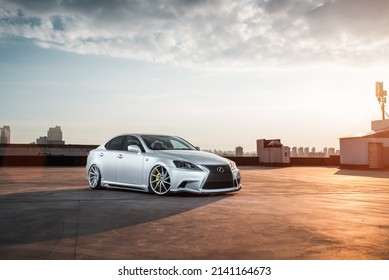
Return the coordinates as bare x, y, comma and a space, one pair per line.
144, 134
140, 134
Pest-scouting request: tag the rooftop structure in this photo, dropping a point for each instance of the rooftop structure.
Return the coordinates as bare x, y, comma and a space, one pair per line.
370, 149
272, 151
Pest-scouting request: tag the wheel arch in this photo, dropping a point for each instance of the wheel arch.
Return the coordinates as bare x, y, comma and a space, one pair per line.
154, 189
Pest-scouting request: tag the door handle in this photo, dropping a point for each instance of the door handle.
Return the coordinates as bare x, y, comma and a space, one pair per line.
101, 154
120, 155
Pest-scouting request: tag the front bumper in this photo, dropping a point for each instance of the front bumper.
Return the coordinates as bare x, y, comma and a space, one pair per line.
208, 181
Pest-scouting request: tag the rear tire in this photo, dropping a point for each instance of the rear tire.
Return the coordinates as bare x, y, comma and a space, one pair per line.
94, 177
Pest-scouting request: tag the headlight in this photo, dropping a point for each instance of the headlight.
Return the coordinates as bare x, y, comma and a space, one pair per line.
186, 165
232, 165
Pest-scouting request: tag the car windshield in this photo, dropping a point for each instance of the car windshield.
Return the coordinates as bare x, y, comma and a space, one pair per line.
158, 142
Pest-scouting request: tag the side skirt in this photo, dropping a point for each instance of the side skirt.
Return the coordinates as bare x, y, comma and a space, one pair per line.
124, 186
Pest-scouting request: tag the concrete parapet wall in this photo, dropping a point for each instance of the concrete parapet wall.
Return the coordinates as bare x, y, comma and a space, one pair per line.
245, 161
44, 150
42, 160
315, 161
75, 155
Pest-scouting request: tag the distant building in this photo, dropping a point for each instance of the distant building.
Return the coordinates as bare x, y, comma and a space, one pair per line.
300, 152
293, 152
223, 153
239, 151
306, 152
42, 140
325, 152
331, 151
54, 136
5, 135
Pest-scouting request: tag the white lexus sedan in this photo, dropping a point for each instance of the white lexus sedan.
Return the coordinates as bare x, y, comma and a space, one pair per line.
159, 164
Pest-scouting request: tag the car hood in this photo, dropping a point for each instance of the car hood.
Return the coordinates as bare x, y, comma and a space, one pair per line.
195, 157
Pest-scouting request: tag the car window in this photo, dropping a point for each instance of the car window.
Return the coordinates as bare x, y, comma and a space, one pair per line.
178, 145
115, 143
157, 142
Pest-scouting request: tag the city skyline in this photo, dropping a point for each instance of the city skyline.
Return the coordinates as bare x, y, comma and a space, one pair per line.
54, 136
218, 74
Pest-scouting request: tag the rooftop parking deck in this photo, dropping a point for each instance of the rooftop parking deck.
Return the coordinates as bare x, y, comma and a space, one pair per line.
281, 213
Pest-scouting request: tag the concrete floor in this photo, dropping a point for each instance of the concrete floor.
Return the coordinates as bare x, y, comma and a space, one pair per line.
281, 213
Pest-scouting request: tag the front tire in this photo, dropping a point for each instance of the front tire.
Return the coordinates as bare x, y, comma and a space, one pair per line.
159, 180
94, 177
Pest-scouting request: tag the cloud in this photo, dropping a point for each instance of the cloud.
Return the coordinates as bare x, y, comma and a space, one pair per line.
200, 33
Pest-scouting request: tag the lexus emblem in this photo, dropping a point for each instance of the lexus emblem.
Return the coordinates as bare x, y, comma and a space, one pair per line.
220, 169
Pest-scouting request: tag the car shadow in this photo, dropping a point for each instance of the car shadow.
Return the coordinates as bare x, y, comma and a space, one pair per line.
67, 213
364, 173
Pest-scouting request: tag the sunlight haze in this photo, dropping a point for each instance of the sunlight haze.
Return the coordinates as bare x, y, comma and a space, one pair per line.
220, 74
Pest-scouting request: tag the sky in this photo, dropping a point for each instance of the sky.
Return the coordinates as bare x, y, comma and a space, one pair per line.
220, 74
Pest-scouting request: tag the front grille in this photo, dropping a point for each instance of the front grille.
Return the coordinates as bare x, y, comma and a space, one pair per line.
213, 169
217, 179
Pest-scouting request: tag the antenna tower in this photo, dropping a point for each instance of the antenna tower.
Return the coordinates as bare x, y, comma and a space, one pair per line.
381, 94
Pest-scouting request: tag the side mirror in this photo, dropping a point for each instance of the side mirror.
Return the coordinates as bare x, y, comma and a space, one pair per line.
134, 149
197, 148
